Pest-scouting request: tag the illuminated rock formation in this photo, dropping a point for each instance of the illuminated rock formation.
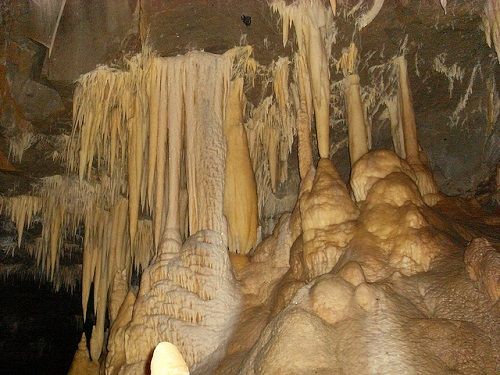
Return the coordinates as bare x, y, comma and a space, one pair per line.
174, 163
424, 178
167, 360
327, 215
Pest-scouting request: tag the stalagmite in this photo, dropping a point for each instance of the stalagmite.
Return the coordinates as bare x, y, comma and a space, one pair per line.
82, 365
327, 213
374, 166
168, 361
358, 138
116, 339
118, 293
240, 190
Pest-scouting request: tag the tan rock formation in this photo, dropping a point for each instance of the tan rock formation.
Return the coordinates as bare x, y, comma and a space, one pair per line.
327, 215
82, 364
168, 361
482, 262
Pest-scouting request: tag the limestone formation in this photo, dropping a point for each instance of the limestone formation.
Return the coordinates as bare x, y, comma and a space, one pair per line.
221, 230
482, 262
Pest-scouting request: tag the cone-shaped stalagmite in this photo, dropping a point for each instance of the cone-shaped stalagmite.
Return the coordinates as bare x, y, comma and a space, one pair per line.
240, 189
82, 365
167, 360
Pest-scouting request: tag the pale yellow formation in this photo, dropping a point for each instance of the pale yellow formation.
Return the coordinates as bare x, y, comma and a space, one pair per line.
424, 178
491, 24
167, 360
115, 358
357, 130
360, 281
240, 189
271, 128
315, 33
304, 115
196, 273
19, 144
331, 297
373, 167
358, 138
333, 4
82, 365
392, 213
370, 15
327, 213
21, 210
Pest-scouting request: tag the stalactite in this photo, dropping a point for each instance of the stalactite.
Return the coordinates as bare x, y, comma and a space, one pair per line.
408, 116
304, 116
491, 23
396, 126
358, 138
424, 178
333, 4
315, 32
19, 144
240, 189
176, 80
21, 210
370, 15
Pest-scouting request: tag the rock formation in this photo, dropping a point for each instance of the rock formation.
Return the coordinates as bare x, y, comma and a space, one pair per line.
203, 257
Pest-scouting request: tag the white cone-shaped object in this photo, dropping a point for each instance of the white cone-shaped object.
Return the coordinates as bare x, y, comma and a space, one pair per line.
167, 360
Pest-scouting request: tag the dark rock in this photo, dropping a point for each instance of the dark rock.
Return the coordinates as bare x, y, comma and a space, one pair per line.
25, 57
36, 101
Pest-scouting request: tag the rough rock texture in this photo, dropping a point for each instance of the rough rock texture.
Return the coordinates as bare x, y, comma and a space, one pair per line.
482, 262
189, 300
398, 300
366, 281
327, 212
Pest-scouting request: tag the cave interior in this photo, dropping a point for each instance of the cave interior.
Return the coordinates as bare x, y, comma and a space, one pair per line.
249, 187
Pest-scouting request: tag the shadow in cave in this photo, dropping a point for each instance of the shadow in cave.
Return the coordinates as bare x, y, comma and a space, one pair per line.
39, 328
